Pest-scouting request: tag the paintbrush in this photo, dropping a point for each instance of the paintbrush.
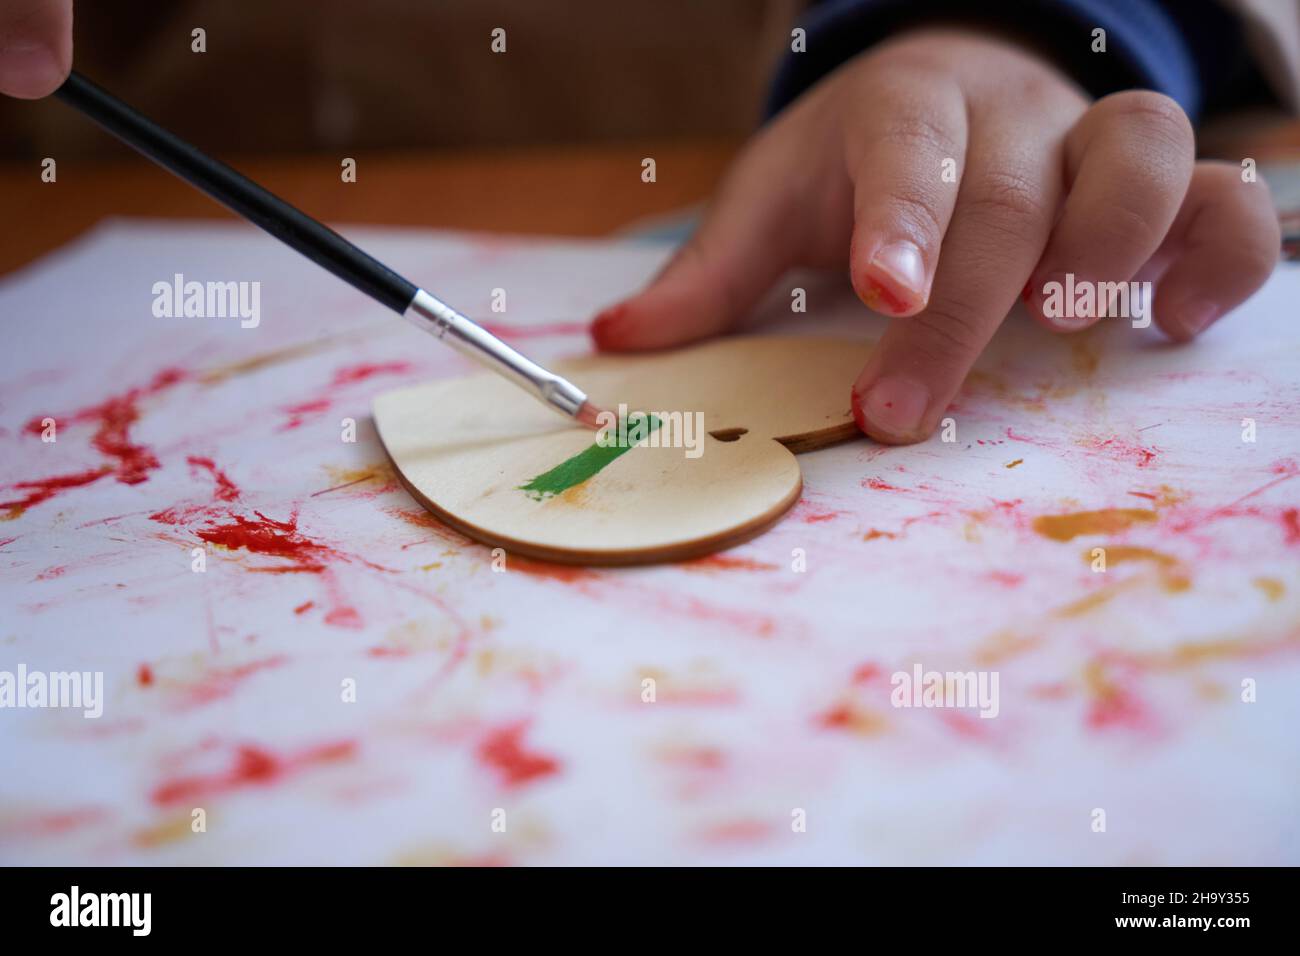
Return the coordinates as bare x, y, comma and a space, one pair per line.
324, 246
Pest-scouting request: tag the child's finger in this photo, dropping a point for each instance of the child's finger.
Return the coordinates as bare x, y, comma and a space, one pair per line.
1128, 160
744, 244
1225, 242
912, 140
1003, 215
35, 46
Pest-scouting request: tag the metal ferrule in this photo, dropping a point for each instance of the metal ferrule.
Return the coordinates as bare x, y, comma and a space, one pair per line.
442, 321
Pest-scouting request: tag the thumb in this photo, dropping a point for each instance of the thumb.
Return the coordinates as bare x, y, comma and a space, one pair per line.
35, 46
743, 245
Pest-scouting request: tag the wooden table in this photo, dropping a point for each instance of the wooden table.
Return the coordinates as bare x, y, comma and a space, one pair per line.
568, 191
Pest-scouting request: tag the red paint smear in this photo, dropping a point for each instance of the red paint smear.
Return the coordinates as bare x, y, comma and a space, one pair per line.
359, 373
112, 438
55, 572
115, 416
423, 519
697, 758
5, 542
805, 512
1006, 579
266, 536
1118, 709
876, 484
1125, 450
737, 831
539, 331
251, 767
866, 673
385, 651
225, 488
344, 616
55, 823
304, 607
44, 489
699, 697
144, 675
217, 684
969, 726
1291, 524
1038, 442
503, 751
298, 414
838, 717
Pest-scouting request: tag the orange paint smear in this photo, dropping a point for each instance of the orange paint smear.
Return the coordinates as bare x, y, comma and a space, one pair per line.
723, 562
1107, 521
848, 717
567, 573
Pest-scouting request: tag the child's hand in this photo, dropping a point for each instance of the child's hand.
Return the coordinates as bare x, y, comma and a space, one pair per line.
1046, 184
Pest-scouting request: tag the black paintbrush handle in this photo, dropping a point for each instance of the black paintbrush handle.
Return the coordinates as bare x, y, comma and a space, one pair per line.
260, 207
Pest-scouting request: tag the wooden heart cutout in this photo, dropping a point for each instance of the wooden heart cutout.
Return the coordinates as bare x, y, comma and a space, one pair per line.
492, 462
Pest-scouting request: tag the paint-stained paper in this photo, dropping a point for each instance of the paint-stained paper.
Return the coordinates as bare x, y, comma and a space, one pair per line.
300, 666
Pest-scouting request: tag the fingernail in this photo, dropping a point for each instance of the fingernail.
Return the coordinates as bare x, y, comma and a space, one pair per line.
899, 276
895, 406
1196, 317
1061, 303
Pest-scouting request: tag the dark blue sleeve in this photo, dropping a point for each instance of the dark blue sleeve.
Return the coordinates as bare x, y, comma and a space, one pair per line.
1182, 48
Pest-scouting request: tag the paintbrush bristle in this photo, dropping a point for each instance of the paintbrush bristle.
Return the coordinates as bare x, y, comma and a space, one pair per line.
589, 414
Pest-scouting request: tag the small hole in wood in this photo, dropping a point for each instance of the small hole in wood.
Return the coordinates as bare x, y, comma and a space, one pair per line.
729, 434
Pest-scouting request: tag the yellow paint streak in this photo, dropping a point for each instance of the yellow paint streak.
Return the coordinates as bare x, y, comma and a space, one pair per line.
169, 831
1087, 604
1013, 464
266, 359
1273, 588
1126, 554
1004, 645
1106, 521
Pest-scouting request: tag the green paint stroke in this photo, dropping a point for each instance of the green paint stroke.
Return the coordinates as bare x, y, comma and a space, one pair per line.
586, 463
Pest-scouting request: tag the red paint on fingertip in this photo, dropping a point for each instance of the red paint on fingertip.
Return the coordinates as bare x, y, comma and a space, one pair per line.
879, 294
858, 400
604, 328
